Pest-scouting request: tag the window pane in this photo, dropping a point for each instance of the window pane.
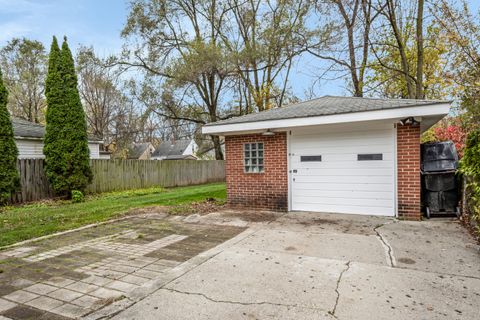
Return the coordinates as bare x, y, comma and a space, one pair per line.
247, 154
260, 160
254, 161
247, 169
370, 156
260, 154
260, 146
254, 154
254, 146
247, 162
247, 146
260, 168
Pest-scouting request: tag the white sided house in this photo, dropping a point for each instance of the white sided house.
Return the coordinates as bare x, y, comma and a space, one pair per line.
29, 139
331, 154
184, 149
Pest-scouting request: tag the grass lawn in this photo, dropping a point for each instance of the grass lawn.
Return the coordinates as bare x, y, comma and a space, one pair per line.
30, 221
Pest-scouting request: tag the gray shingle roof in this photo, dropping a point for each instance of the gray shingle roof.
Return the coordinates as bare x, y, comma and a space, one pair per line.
327, 105
137, 149
169, 148
23, 128
26, 129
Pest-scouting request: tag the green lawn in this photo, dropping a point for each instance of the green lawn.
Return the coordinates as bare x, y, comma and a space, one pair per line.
22, 223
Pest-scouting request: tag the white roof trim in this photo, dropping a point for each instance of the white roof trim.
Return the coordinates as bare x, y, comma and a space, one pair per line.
397, 113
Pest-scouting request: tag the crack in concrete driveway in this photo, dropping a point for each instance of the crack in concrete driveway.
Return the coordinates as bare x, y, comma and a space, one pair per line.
326, 266
388, 248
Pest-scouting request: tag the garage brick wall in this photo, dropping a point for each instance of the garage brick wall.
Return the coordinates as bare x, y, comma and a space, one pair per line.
409, 183
267, 190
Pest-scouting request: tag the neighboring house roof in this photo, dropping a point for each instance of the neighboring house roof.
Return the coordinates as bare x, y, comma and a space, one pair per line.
328, 105
171, 148
23, 128
30, 130
136, 150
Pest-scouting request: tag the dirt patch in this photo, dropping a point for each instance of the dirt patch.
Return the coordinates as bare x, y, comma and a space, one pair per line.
201, 207
252, 216
318, 221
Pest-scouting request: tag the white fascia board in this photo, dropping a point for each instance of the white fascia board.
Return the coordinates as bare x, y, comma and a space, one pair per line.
398, 113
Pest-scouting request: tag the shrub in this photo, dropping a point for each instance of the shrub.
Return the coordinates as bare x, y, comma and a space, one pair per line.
470, 167
66, 143
9, 178
77, 196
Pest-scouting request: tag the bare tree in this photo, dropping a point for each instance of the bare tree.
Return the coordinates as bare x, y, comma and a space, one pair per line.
264, 39
176, 43
352, 55
24, 63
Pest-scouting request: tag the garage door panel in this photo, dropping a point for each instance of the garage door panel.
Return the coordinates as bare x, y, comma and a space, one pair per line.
340, 182
357, 165
315, 179
351, 158
347, 134
364, 210
344, 149
319, 171
384, 203
329, 144
344, 187
354, 194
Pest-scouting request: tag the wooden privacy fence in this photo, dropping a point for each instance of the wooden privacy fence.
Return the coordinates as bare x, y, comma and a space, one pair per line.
115, 175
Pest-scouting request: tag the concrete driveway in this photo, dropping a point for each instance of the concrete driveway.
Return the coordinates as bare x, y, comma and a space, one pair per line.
245, 265
323, 266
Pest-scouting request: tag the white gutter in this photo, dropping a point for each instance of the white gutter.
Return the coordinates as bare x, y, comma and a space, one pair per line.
41, 139
397, 113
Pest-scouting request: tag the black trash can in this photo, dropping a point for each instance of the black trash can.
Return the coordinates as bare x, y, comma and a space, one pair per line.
440, 194
439, 181
439, 156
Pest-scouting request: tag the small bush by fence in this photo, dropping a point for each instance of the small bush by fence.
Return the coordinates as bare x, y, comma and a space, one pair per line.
116, 175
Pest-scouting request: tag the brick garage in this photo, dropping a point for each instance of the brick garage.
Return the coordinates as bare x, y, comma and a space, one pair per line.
267, 190
332, 154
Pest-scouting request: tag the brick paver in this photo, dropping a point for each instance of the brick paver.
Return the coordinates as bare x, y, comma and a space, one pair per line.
75, 274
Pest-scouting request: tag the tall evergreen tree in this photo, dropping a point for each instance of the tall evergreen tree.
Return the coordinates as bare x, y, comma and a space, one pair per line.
9, 178
66, 142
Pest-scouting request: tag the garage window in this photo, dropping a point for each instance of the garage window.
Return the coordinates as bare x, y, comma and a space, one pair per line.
253, 157
369, 156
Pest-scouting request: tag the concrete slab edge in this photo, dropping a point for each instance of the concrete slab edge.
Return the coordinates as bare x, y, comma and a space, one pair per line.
156, 284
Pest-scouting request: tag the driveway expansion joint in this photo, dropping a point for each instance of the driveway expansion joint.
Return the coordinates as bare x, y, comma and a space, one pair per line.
334, 309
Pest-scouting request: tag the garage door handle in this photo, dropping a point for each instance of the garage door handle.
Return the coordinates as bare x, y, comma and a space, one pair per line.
294, 171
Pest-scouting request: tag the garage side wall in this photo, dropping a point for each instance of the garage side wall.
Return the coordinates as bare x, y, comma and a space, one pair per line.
266, 190
408, 164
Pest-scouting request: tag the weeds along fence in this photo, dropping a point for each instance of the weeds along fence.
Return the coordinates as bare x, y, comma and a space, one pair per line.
116, 175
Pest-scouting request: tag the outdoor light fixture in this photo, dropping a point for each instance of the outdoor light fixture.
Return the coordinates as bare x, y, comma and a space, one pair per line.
268, 133
409, 120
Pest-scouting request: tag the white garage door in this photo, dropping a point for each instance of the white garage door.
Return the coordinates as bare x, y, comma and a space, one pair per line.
343, 169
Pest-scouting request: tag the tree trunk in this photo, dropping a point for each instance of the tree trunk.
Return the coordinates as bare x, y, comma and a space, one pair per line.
419, 86
217, 145
401, 49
